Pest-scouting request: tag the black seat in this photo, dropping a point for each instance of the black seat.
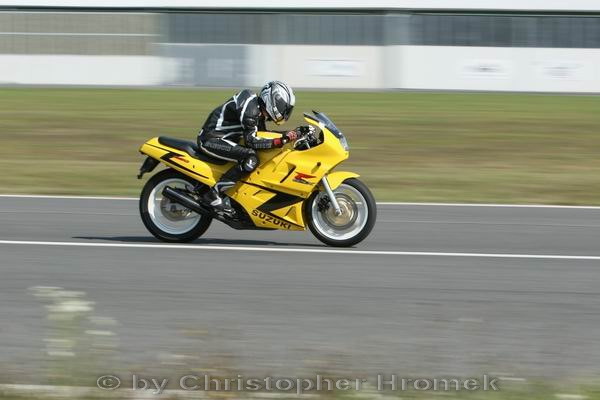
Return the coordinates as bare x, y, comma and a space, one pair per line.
191, 148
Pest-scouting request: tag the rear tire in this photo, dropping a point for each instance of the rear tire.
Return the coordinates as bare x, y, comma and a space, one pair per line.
168, 221
359, 213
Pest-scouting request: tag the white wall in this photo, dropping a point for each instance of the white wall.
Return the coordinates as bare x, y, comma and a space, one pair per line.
358, 67
301, 66
427, 67
82, 70
491, 68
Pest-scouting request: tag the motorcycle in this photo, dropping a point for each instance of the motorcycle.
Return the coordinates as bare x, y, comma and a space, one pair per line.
294, 187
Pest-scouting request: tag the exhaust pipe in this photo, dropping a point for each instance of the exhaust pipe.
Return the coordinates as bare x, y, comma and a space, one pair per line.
184, 200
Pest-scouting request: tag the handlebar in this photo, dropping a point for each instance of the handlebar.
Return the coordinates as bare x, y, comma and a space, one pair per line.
306, 137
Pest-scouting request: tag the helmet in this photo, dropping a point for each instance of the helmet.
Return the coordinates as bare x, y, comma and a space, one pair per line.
278, 100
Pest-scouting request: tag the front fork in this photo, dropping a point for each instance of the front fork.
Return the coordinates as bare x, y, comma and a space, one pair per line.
334, 202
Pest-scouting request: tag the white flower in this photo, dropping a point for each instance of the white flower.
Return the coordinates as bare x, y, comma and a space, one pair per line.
72, 306
99, 333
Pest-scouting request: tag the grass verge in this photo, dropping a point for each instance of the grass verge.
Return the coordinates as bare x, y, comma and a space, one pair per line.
449, 147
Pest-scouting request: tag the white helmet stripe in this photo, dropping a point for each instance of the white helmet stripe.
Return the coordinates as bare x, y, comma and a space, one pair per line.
278, 90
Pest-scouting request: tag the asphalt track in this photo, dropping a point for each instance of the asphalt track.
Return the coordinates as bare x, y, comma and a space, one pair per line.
436, 289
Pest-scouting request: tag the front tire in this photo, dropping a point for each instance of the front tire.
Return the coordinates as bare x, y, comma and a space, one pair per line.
359, 212
168, 221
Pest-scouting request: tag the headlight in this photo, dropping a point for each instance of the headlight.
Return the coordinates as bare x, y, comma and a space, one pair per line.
344, 143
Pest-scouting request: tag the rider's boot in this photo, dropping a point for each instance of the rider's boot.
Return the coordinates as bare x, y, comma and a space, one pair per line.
216, 197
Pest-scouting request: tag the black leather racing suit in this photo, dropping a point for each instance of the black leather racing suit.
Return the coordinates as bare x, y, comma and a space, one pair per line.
236, 119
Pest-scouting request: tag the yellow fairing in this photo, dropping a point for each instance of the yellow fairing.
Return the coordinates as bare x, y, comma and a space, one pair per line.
335, 179
273, 195
279, 167
184, 163
256, 200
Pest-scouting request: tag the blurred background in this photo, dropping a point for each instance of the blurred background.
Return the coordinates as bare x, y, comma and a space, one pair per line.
540, 46
431, 88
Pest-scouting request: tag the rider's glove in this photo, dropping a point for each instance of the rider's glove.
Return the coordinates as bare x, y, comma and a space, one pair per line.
287, 137
291, 136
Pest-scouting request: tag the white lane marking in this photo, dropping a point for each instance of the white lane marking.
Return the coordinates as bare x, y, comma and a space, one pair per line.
380, 203
297, 250
385, 203
70, 213
51, 196
78, 34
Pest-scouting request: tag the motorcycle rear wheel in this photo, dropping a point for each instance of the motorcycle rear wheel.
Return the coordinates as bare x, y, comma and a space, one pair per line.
166, 220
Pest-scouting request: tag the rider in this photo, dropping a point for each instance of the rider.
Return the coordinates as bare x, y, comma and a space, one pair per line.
241, 117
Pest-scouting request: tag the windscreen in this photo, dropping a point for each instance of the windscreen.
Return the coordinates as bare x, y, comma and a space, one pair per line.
324, 119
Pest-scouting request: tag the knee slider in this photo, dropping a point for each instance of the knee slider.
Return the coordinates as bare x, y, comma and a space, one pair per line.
250, 163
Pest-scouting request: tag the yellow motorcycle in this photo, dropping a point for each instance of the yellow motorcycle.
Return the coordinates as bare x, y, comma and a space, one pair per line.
294, 186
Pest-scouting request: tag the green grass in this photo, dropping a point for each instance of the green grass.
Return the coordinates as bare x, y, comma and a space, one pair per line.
450, 147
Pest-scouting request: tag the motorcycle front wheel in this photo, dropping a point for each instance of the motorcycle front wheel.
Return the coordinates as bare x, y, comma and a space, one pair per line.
166, 220
353, 225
